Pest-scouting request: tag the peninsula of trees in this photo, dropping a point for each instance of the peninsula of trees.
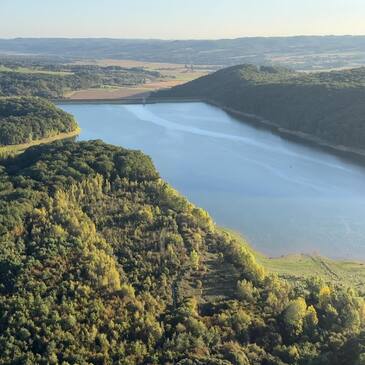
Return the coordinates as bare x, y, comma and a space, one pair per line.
102, 262
327, 107
26, 119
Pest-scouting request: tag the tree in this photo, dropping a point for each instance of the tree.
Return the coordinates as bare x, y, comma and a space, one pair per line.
294, 316
195, 260
311, 319
325, 296
246, 291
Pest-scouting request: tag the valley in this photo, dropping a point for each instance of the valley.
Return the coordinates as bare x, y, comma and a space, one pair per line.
182, 182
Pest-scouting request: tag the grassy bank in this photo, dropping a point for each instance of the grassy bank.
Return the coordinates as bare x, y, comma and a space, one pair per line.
298, 266
18, 148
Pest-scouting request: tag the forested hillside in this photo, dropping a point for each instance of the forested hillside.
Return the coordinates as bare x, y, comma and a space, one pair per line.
23, 120
101, 262
328, 106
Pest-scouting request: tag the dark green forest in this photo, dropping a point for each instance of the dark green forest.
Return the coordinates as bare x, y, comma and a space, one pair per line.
23, 77
102, 262
24, 119
328, 106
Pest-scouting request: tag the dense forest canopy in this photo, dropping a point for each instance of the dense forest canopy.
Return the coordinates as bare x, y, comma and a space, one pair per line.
102, 262
24, 119
302, 52
328, 105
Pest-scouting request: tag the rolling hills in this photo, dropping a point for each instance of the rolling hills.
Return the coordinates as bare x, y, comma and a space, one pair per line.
301, 52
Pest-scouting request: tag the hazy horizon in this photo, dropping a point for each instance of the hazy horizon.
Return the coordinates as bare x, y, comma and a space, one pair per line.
183, 39
177, 20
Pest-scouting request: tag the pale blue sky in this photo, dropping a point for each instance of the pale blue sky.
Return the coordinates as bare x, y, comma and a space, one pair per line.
179, 19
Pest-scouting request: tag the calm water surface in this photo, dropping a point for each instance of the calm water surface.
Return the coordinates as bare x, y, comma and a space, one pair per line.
282, 196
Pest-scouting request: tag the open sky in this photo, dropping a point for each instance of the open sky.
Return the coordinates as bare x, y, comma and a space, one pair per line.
179, 19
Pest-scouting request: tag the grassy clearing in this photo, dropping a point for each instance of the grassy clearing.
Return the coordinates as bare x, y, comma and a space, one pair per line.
302, 266
18, 148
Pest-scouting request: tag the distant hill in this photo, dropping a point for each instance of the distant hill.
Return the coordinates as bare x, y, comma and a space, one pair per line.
102, 262
328, 107
301, 52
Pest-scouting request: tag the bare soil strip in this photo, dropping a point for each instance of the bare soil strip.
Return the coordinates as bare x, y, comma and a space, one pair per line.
17, 148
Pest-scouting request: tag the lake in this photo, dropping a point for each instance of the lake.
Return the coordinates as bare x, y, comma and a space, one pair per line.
284, 197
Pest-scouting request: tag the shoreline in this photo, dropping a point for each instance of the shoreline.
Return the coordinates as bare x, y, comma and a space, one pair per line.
124, 101
256, 120
302, 136
18, 148
295, 258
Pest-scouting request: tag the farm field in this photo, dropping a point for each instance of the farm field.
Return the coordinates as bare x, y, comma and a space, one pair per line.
122, 92
172, 75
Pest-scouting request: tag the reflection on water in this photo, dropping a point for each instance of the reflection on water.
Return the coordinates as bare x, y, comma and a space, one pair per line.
284, 197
